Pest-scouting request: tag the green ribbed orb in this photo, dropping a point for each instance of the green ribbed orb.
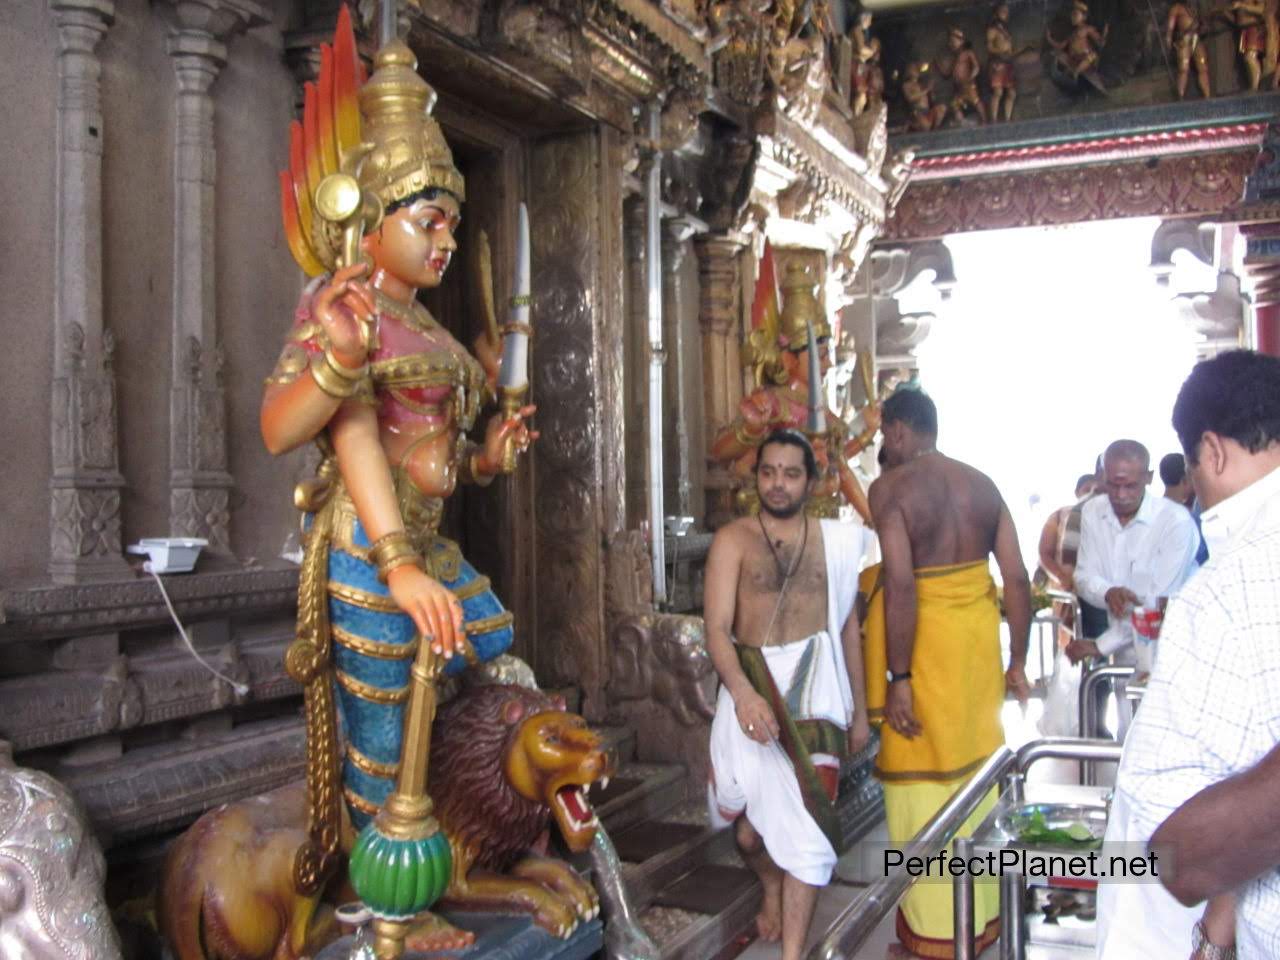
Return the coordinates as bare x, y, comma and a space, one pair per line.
398, 879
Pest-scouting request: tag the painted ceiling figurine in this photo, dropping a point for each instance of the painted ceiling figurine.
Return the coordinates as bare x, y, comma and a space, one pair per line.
867, 82
1078, 54
960, 65
1182, 36
1258, 31
776, 352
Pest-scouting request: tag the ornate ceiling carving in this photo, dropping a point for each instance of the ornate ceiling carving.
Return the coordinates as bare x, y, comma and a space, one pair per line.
1170, 186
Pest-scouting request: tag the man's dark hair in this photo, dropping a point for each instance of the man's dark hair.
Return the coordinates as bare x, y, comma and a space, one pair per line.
792, 438
1127, 450
1173, 469
1235, 395
915, 409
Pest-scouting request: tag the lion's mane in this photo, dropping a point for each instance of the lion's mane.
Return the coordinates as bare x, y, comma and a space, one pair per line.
478, 809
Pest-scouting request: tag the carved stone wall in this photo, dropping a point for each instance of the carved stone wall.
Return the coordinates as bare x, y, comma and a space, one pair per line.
576, 220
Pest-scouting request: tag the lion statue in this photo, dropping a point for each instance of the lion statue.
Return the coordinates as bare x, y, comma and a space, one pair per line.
506, 762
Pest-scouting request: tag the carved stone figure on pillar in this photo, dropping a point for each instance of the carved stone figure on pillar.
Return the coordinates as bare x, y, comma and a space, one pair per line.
1078, 54
918, 94
798, 70
776, 353
867, 83
1182, 36
1258, 32
960, 66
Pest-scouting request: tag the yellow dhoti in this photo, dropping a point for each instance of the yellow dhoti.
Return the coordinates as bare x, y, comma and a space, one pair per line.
957, 682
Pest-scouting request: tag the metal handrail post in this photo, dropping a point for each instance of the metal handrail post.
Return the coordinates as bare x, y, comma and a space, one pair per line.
1088, 709
962, 898
861, 917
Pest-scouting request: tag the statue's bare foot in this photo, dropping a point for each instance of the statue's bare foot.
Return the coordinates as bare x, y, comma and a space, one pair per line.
769, 919
432, 933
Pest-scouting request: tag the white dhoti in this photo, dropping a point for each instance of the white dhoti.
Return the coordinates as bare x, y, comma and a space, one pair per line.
760, 780
811, 677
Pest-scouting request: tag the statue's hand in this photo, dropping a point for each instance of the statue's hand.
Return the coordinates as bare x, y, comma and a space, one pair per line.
760, 409
436, 612
344, 307
872, 416
501, 431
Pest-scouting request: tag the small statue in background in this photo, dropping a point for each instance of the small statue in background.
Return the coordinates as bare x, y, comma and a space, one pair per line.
918, 93
1259, 37
776, 353
1000, 57
1079, 53
868, 77
1182, 36
961, 67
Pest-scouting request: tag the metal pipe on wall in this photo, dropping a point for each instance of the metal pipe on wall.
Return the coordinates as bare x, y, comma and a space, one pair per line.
657, 353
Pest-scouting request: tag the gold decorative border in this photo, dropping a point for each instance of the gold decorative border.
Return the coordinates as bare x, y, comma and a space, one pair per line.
378, 649
359, 802
367, 691
383, 771
362, 598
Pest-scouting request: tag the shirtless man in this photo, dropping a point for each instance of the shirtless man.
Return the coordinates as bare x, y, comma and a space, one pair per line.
782, 634
939, 520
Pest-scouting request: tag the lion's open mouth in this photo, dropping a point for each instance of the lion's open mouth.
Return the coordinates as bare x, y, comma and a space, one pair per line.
572, 804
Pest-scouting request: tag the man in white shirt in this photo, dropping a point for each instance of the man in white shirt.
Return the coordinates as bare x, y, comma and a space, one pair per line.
1212, 709
1134, 547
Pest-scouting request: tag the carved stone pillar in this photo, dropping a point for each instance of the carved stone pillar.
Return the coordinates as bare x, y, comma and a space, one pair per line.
199, 484
720, 318
1262, 266
678, 400
85, 483
637, 359
577, 238
1259, 217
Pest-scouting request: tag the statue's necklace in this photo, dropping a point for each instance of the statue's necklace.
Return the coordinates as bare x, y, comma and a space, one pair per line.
413, 315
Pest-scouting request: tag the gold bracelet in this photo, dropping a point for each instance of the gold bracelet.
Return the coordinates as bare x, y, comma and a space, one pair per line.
342, 370
393, 550
333, 384
746, 439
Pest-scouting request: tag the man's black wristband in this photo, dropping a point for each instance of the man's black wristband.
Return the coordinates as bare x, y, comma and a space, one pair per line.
895, 677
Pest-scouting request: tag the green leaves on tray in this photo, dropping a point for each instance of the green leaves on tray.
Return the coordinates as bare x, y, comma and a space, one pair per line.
1034, 830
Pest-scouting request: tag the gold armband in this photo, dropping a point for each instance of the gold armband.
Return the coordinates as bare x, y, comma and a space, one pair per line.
393, 550
745, 438
334, 379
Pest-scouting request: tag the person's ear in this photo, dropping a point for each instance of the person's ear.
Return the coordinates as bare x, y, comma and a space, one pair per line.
1213, 453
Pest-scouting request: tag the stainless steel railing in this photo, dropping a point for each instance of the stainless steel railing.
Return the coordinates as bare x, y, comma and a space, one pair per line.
1089, 692
863, 915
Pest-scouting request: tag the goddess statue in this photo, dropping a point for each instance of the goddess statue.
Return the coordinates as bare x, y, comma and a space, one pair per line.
371, 205
788, 393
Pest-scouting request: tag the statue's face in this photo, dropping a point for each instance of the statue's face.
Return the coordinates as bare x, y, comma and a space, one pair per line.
864, 20
414, 244
1002, 12
955, 41
1077, 16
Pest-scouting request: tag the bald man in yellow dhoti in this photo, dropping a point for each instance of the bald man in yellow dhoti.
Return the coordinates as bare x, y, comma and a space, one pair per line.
931, 647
